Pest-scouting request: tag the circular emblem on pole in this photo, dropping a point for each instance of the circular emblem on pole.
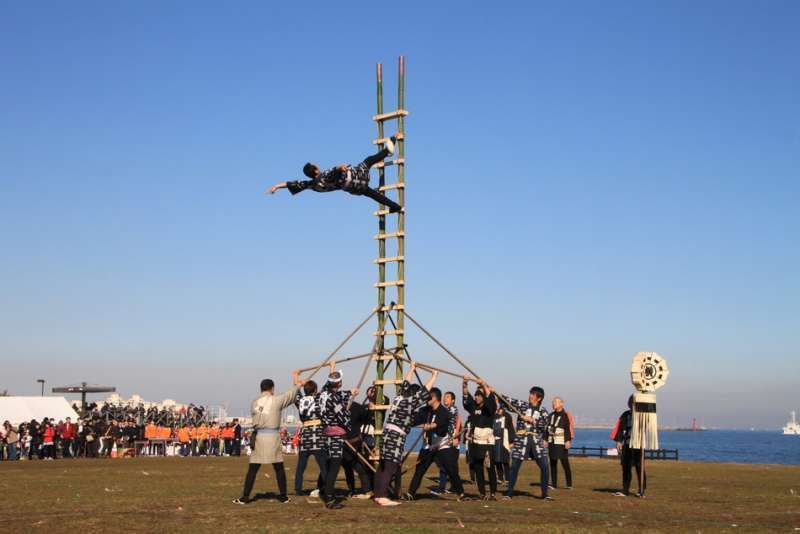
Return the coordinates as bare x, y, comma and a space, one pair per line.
649, 371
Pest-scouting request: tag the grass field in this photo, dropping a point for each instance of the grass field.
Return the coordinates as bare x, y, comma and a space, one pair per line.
194, 494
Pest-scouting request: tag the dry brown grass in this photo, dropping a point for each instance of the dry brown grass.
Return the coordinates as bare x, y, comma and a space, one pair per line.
194, 494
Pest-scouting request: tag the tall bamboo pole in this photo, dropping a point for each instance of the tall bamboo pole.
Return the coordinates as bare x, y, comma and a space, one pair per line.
401, 216
381, 268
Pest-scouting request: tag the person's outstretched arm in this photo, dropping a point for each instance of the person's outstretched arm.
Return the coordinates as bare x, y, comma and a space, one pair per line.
294, 187
432, 380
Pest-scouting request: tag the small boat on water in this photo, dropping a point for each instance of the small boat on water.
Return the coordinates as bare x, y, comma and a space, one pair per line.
792, 428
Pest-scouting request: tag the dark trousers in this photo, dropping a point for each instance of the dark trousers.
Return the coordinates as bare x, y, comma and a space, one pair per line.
330, 477
563, 456
445, 459
384, 477
476, 461
66, 448
381, 155
228, 446
250, 479
451, 455
237, 447
631, 458
544, 474
353, 465
374, 194
302, 462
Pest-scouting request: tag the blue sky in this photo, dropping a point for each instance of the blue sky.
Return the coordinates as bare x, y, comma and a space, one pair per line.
584, 181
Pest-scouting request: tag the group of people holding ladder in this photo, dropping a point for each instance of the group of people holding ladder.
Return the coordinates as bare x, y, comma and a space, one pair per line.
337, 432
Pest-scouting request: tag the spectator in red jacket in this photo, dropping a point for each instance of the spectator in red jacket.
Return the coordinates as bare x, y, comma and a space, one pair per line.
48, 439
67, 433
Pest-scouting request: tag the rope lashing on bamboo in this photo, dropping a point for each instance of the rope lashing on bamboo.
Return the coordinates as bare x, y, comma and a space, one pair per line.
459, 360
405, 349
342, 344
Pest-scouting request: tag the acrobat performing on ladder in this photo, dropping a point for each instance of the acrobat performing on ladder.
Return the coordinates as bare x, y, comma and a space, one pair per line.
351, 178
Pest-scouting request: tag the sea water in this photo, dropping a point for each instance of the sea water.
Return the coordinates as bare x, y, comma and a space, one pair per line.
743, 446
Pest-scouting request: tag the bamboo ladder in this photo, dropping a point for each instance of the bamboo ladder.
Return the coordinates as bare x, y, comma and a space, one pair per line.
397, 234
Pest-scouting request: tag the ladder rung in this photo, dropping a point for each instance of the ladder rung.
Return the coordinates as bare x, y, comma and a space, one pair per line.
386, 309
387, 212
390, 235
380, 407
388, 333
389, 187
389, 163
383, 140
389, 260
388, 381
391, 115
390, 283
383, 358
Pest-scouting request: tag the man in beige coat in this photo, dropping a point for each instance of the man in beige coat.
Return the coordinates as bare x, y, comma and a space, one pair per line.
266, 412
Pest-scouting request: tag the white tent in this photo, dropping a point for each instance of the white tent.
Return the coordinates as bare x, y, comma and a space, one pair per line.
19, 409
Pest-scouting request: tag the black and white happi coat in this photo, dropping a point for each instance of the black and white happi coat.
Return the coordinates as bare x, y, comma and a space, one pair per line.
311, 438
401, 414
334, 413
531, 437
354, 180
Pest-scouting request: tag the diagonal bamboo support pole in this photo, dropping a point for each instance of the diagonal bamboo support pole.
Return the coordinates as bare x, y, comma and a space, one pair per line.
460, 361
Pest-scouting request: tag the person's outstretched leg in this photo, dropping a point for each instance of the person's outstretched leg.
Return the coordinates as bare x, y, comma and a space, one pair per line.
377, 158
380, 198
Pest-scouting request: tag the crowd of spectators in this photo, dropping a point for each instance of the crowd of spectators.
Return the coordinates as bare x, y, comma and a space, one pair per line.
118, 430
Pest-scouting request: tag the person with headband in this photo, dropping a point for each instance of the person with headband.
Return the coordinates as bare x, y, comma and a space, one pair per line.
334, 409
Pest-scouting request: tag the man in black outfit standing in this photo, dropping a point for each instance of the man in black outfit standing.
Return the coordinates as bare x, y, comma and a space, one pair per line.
628, 457
237, 438
436, 425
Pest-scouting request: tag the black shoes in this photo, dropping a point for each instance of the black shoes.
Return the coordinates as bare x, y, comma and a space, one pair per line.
242, 500
283, 499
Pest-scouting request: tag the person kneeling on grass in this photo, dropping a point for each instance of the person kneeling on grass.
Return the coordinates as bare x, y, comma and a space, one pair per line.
266, 414
353, 179
399, 420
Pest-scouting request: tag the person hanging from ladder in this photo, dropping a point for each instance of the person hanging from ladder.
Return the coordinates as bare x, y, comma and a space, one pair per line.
399, 420
351, 178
